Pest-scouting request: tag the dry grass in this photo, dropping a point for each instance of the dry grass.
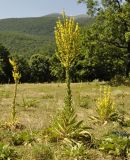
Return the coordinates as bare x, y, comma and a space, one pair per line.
36, 104
44, 100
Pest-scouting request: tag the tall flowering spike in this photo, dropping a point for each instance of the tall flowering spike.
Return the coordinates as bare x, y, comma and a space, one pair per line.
105, 104
16, 76
15, 72
68, 40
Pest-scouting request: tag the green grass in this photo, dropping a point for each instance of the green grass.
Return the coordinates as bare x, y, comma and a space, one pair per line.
45, 100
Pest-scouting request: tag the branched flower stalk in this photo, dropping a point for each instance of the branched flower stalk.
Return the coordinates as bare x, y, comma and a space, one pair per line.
16, 75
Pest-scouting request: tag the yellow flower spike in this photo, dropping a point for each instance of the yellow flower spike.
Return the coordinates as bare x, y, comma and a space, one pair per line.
15, 73
67, 35
105, 104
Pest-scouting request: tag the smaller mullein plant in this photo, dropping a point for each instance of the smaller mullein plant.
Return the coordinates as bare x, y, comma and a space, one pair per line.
105, 105
16, 75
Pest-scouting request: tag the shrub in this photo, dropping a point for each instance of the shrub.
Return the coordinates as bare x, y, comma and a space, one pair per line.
118, 80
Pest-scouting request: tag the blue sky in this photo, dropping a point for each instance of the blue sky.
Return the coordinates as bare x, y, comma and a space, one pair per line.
35, 8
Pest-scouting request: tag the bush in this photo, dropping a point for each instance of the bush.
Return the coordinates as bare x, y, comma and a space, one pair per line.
118, 80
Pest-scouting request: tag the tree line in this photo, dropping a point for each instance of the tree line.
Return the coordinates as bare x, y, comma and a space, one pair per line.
105, 51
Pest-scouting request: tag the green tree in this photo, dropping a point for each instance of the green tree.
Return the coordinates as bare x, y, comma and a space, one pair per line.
57, 70
39, 67
108, 36
5, 67
80, 71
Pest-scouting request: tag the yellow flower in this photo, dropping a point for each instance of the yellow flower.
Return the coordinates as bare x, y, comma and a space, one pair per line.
67, 36
15, 73
105, 104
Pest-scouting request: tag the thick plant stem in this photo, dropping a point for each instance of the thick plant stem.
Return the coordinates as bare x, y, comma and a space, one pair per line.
68, 99
14, 102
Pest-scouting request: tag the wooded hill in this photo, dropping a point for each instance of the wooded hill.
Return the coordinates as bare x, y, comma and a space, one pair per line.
29, 36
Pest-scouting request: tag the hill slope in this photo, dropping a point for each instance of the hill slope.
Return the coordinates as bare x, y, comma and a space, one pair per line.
30, 35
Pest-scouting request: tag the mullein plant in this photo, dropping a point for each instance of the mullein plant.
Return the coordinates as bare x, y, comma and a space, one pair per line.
68, 41
16, 76
105, 104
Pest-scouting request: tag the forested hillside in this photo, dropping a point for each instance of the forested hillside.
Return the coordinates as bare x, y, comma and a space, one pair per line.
28, 36
104, 51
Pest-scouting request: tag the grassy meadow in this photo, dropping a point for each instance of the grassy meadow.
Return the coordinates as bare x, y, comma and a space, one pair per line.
37, 104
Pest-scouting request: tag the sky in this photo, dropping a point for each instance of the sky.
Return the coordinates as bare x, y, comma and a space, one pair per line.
37, 8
